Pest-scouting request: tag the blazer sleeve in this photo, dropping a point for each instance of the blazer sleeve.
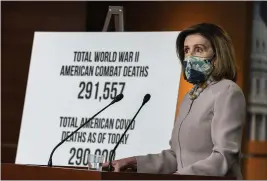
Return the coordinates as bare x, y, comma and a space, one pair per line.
226, 131
164, 162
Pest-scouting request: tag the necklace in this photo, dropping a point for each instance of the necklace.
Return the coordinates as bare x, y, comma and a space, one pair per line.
198, 88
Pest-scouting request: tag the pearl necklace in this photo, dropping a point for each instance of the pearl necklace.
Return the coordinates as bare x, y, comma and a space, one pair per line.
198, 88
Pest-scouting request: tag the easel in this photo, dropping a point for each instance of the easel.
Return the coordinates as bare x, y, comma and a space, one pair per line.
117, 11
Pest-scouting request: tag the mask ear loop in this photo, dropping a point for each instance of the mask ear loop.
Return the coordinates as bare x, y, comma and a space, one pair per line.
213, 65
212, 57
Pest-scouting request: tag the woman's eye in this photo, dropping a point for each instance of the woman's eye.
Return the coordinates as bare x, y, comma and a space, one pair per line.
199, 50
186, 50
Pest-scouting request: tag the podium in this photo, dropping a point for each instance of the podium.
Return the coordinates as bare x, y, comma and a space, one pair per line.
29, 172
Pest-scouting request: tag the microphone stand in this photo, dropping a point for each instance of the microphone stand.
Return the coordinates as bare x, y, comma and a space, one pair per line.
110, 167
116, 99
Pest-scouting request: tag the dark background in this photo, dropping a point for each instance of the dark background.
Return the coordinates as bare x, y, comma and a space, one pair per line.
263, 11
21, 19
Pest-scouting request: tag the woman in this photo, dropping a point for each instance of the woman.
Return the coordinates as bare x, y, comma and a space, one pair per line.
206, 138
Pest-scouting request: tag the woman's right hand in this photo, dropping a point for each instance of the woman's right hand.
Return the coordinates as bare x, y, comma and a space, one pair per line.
122, 163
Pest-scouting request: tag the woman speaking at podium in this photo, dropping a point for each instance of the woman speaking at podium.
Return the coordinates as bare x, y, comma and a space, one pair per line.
206, 138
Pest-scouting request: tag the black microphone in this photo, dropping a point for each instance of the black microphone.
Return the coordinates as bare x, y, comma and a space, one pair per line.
145, 100
116, 99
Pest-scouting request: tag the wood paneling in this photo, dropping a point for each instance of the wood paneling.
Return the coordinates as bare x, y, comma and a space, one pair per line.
257, 147
19, 21
256, 168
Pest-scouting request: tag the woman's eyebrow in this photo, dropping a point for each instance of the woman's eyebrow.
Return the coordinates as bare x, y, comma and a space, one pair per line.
201, 45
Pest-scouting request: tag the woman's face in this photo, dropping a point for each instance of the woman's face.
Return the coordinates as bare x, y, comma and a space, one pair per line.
197, 45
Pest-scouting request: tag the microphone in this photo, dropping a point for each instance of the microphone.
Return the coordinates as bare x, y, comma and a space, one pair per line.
145, 100
116, 99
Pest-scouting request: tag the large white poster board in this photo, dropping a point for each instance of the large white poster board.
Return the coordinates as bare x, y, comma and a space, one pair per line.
74, 75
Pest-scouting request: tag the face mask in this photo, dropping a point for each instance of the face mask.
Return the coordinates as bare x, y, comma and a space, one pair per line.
197, 69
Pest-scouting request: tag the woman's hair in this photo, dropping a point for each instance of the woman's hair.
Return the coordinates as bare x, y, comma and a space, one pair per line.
221, 44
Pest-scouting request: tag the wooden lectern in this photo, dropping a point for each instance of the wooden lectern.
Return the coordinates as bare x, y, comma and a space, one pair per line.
27, 172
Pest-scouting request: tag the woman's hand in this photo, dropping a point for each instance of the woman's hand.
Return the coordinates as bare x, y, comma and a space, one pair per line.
122, 163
